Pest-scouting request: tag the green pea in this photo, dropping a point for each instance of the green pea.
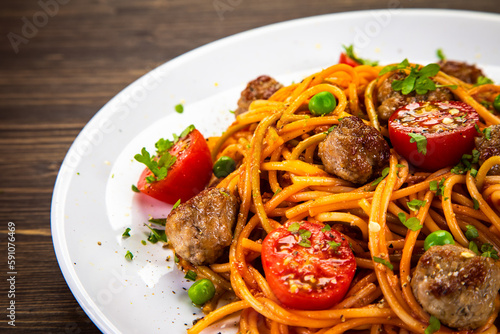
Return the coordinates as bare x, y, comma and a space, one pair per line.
438, 238
496, 103
224, 166
201, 291
322, 103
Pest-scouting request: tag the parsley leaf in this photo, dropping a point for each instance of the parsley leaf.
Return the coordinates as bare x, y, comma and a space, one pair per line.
489, 251
126, 234
476, 203
383, 261
466, 163
483, 81
385, 172
417, 80
437, 187
349, 50
421, 141
412, 223
440, 54
294, 227
176, 204
304, 238
473, 247
415, 204
191, 275
179, 108
129, 256
159, 235
326, 228
434, 325
334, 245
471, 232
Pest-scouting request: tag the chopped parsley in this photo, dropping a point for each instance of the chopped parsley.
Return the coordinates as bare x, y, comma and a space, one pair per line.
483, 81
176, 204
440, 54
418, 80
385, 172
437, 187
413, 223
135, 189
156, 235
304, 234
415, 204
158, 221
383, 261
129, 256
421, 141
349, 51
334, 245
476, 203
471, 232
163, 160
434, 325
191, 275
488, 251
466, 163
473, 247
326, 228
126, 233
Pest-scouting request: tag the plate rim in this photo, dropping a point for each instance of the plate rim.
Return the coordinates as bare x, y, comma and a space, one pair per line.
62, 183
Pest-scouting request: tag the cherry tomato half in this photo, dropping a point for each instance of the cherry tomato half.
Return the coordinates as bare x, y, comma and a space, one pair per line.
307, 266
187, 176
345, 59
433, 135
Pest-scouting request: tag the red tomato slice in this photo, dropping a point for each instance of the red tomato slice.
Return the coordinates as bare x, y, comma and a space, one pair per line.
307, 272
448, 128
345, 59
187, 176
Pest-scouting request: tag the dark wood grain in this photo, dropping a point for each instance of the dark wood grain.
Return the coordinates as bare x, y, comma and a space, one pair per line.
57, 79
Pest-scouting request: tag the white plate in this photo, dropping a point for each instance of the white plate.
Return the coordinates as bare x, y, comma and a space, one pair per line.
93, 202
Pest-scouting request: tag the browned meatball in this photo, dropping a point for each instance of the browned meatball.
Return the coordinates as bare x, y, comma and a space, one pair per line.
261, 88
390, 100
456, 286
200, 229
489, 146
354, 151
461, 70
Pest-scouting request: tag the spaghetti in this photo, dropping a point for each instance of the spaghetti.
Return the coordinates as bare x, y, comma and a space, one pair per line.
279, 179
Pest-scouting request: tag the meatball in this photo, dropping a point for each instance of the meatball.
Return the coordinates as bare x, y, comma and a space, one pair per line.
456, 286
201, 228
390, 100
261, 88
489, 146
461, 70
354, 151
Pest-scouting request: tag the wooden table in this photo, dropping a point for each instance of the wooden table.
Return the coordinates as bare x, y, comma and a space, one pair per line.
55, 75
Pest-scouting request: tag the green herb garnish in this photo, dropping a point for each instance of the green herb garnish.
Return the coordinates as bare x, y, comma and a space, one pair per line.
412, 223
488, 251
415, 204
383, 261
385, 172
434, 325
421, 141
135, 189
126, 234
440, 54
191, 275
471, 232
129, 256
418, 80
349, 51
